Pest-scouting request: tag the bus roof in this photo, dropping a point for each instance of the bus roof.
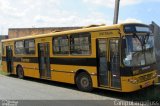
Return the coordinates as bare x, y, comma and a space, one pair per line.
85, 29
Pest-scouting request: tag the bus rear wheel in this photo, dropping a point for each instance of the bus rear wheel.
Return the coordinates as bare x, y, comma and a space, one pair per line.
20, 72
84, 82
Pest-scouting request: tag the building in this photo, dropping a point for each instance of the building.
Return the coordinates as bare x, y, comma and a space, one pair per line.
20, 32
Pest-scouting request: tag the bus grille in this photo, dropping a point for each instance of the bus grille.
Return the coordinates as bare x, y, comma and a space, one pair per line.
145, 77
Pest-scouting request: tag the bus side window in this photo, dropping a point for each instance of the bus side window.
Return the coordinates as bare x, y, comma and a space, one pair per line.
29, 46
25, 47
61, 45
115, 56
19, 47
80, 44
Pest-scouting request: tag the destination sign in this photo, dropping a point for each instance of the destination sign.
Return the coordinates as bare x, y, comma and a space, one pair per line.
136, 29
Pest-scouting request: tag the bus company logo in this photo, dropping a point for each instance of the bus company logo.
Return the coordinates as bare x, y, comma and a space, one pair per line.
25, 60
105, 33
9, 103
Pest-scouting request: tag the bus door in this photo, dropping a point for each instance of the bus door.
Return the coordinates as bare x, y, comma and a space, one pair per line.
9, 58
44, 60
108, 63
102, 57
114, 54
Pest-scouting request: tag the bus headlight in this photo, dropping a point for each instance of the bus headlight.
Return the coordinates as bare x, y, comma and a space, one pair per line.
133, 80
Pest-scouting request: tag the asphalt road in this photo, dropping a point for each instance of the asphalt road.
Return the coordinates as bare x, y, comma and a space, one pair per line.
12, 88
42, 92
32, 89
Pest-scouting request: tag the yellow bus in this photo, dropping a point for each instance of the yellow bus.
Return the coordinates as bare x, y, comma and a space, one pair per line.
118, 57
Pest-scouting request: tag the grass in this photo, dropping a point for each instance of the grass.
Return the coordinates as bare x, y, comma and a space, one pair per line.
2, 72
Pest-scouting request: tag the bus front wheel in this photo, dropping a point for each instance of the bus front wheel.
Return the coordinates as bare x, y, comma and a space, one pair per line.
20, 72
84, 82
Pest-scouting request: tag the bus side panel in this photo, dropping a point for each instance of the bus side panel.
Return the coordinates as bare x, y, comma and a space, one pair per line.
66, 73
4, 66
63, 73
94, 81
62, 77
30, 69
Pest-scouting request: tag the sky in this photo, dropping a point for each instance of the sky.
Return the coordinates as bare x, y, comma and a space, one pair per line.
66, 13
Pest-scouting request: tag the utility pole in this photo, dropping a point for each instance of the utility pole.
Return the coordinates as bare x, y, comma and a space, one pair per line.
116, 11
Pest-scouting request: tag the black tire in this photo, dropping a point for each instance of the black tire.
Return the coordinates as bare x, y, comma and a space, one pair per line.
20, 72
84, 82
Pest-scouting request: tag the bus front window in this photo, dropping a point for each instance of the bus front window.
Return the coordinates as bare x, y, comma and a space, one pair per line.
139, 51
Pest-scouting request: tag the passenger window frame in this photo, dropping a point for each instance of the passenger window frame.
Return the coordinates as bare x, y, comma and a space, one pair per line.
79, 35
62, 52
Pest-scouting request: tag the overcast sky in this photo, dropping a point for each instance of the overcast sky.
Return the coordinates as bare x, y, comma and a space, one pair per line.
60, 13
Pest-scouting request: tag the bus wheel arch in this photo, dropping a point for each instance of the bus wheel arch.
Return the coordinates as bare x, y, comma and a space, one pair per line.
83, 80
20, 71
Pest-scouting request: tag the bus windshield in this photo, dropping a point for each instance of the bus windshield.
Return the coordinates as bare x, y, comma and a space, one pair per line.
139, 50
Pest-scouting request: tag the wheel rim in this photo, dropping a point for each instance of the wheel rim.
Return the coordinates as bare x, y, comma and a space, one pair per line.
84, 82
